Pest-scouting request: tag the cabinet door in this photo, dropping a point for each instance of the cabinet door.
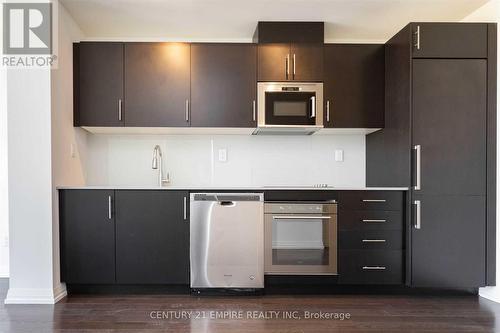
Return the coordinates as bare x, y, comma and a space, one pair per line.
87, 235
274, 62
307, 62
98, 84
354, 85
450, 40
448, 251
157, 84
449, 124
152, 237
223, 85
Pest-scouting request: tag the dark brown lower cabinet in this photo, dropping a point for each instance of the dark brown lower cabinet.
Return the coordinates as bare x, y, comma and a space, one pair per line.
371, 237
87, 236
449, 248
370, 267
152, 237
124, 237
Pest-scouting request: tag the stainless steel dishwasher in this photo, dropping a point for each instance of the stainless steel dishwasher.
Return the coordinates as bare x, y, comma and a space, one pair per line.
227, 240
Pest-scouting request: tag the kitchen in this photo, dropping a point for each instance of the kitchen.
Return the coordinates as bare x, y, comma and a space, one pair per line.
285, 165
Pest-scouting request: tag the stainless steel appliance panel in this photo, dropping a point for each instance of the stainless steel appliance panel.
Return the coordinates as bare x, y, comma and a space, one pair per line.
226, 240
300, 238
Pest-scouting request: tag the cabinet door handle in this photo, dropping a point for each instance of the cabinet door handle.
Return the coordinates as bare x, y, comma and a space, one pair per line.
294, 66
374, 200
374, 221
373, 240
287, 65
418, 170
327, 111
254, 111
313, 106
301, 217
187, 110
120, 103
185, 208
110, 209
418, 214
374, 268
417, 37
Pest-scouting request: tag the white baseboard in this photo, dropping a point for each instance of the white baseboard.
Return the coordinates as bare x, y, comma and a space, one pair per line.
491, 293
298, 245
35, 295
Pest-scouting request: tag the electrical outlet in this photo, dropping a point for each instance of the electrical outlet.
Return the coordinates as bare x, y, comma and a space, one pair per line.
72, 150
223, 155
339, 155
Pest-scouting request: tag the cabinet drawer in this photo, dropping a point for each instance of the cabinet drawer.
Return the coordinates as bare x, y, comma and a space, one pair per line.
370, 220
371, 200
371, 240
370, 267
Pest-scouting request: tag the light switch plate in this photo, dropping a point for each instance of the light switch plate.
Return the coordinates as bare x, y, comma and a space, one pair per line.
339, 155
223, 155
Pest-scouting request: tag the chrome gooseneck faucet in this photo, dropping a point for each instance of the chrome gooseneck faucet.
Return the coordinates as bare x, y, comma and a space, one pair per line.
157, 164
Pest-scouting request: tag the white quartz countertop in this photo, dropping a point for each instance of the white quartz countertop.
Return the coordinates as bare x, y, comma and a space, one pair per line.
235, 188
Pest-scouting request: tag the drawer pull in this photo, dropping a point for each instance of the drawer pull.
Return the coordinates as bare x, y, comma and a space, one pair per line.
374, 268
373, 240
374, 200
374, 221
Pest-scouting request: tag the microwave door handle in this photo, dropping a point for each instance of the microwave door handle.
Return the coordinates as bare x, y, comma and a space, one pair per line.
313, 106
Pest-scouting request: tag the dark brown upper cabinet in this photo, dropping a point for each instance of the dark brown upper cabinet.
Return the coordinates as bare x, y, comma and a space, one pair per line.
307, 62
98, 88
354, 85
450, 40
223, 85
290, 62
273, 62
157, 84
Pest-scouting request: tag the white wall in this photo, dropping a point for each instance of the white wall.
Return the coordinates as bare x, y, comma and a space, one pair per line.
30, 181
68, 143
252, 160
39, 136
490, 12
4, 213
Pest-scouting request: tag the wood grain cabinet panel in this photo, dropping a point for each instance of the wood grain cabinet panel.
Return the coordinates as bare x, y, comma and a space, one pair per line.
450, 40
223, 85
354, 85
87, 236
152, 237
307, 62
98, 84
157, 84
274, 62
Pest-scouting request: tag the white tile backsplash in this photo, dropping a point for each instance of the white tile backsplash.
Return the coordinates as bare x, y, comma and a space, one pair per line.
193, 160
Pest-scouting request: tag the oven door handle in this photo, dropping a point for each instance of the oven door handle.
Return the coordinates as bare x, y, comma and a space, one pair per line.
300, 217
313, 106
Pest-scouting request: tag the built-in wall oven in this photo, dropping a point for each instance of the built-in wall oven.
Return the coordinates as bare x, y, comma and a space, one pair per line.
289, 107
300, 238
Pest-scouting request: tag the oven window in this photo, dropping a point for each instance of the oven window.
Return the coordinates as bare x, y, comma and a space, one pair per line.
289, 108
301, 242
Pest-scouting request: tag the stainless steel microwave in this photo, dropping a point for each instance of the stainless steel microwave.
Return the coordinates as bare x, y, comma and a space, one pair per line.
289, 108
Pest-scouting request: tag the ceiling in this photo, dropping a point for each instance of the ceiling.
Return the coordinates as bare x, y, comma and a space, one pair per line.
235, 20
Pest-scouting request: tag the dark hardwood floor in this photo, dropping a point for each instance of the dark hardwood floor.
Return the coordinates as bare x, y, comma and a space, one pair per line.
399, 313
